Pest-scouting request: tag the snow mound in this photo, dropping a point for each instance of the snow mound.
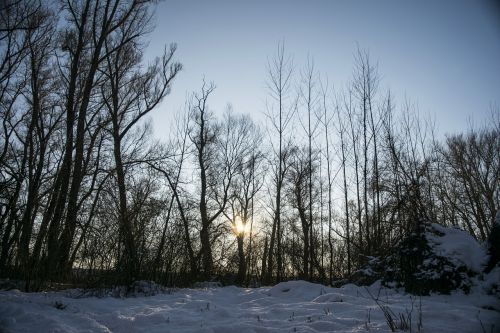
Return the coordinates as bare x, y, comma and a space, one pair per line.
458, 246
297, 289
334, 297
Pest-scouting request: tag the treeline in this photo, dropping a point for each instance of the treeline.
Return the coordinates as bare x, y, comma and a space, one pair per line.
329, 178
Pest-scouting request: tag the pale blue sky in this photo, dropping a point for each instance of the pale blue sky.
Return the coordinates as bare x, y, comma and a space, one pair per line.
443, 55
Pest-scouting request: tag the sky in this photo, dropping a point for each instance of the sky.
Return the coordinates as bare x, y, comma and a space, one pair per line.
444, 56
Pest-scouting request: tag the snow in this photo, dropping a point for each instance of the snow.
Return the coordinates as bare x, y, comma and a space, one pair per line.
294, 306
458, 245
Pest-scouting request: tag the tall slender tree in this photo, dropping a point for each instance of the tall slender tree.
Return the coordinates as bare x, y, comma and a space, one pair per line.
279, 113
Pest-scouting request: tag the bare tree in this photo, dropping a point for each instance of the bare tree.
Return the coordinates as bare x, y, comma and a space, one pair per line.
172, 172
28, 121
279, 113
41, 125
310, 98
349, 108
90, 25
14, 37
472, 171
247, 184
343, 148
218, 149
325, 119
364, 86
203, 135
129, 94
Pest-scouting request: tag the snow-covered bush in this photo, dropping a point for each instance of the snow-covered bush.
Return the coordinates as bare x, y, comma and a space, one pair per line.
436, 259
136, 289
494, 245
8, 284
207, 284
139, 288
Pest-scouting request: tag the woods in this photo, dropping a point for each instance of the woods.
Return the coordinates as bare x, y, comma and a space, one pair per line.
328, 179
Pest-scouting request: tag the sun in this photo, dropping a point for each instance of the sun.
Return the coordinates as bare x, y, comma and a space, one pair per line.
240, 227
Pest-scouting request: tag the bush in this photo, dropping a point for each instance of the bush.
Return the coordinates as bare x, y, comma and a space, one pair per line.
494, 245
421, 270
419, 266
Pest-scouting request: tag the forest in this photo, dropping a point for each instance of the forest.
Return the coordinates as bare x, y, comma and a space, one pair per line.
330, 178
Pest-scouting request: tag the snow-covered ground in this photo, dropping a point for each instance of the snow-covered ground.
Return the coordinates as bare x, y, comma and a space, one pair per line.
295, 306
